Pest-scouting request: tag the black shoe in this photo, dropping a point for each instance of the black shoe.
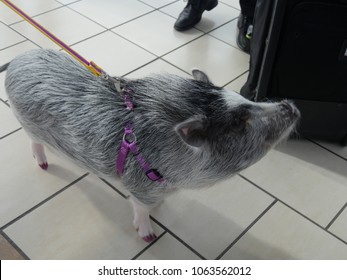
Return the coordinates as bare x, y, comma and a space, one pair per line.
191, 14
244, 36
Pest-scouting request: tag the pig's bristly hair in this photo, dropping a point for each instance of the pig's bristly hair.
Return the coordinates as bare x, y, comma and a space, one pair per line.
65, 107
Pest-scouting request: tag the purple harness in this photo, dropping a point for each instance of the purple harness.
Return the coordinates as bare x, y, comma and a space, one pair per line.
129, 145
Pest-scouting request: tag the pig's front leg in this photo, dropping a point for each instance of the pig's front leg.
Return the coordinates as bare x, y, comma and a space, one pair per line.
142, 221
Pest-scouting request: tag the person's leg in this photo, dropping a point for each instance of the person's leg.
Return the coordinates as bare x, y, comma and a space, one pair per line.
245, 24
248, 7
191, 14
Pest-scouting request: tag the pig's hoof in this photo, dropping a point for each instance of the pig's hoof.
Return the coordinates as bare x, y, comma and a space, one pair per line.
44, 165
150, 238
145, 231
39, 155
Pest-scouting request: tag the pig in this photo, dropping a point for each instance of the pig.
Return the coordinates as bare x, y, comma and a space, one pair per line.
188, 132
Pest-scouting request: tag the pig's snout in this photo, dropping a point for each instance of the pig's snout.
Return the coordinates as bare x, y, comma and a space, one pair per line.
290, 108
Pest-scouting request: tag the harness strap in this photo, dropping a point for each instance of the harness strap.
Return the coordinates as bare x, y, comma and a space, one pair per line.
129, 145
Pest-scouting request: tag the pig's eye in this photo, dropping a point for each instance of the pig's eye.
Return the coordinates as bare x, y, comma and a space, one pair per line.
240, 120
238, 124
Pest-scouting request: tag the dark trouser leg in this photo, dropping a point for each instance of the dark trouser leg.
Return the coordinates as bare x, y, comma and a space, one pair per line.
245, 24
248, 7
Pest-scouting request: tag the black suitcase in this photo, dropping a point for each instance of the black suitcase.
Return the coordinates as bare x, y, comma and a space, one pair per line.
299, 52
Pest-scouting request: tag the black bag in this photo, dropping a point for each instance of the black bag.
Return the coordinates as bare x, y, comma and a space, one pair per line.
299, 52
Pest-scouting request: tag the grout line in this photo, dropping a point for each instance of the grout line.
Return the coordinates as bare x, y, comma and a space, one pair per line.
222, 41
149, 245
20, 42
246, 230
68, 3
114, 188
3, 137
109, 28
176, 66
158, 56
77, 12
23, 20
143, 65
293, 209
327, 149
165, 5
14, 245
219, 26
335, 218
236, 78
236, 8
42, 202
179, 239
26, 39
3, 101
87, 38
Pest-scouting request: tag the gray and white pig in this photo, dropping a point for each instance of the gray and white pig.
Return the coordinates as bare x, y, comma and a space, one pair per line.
190, 131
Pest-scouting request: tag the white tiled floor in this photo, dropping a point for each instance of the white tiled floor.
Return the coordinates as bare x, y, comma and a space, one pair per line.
290, 205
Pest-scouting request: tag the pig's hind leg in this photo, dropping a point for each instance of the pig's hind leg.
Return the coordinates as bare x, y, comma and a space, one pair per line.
39, 154
142, 221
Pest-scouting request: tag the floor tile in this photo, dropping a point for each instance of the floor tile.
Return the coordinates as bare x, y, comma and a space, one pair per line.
7, 16
87, 221
23, 183
220, 61
110, 13
8, 123
9, 36
144, 32
158, 3
238, 83
339, 227
7, 251
3, 95
210, 19
335, 148
67, 25
157, 67
66, 2
233, 3
114, 54
7, 55
32, 8
283, 234
306, 177
210, 219
174, 250
217, 17
227, 33
174, 9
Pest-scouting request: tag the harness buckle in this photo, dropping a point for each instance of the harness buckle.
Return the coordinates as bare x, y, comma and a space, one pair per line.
129, 136
116, 82
153, 175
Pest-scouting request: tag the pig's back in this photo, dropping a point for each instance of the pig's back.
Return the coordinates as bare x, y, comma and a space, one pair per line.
61, 104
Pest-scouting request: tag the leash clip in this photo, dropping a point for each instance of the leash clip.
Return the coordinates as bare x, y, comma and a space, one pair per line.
116, 82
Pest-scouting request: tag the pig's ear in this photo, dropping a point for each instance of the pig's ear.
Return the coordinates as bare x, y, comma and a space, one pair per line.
200, 76
193, 130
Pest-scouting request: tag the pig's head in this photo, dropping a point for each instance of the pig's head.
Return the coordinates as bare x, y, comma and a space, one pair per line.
232, 131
